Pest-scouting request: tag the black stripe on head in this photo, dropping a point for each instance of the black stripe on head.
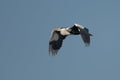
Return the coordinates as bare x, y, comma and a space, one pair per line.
74, 30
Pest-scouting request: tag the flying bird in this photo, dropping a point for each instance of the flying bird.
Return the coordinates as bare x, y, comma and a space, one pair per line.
59, 34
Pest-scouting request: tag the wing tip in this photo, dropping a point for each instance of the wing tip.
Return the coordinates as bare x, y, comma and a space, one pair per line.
52, 52
87, 44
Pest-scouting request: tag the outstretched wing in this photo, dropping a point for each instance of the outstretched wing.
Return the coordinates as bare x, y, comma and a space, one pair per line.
84, 34
55, 42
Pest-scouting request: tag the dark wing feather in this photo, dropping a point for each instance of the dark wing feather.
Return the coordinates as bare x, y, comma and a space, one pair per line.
55, 42
85, 35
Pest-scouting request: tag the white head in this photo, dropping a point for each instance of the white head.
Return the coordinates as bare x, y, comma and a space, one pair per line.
78, 25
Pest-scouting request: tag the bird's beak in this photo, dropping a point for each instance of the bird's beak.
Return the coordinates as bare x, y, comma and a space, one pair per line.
91, 35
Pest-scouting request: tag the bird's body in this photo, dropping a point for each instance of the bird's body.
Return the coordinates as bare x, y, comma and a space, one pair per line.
59, 34
64, 32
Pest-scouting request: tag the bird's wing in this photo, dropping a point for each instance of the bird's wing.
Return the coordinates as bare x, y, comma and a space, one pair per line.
55, 42
85, 35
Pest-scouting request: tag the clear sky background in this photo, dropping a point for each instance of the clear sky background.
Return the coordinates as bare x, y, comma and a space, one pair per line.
25, 27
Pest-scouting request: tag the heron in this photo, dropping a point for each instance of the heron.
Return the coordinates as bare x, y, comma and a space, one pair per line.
59, 34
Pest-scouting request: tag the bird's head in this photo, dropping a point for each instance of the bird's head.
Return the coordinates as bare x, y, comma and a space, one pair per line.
79, 26
76, 24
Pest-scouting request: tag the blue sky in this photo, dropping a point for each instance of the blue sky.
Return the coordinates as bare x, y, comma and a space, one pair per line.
25, 27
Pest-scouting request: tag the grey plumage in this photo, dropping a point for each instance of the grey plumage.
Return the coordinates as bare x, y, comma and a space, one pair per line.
59, 34
56, 41
84, 34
